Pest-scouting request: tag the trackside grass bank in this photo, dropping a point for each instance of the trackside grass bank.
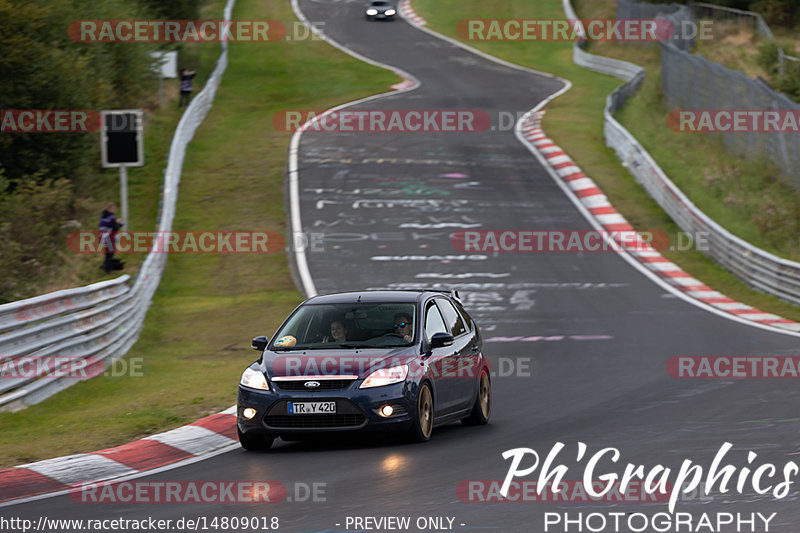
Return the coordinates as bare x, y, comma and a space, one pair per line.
196, 340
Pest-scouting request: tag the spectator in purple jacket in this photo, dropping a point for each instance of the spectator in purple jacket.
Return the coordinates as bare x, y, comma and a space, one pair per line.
186, 86
109, 226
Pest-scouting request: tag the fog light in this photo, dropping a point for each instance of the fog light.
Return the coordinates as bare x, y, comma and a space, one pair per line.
387, 410
249, 413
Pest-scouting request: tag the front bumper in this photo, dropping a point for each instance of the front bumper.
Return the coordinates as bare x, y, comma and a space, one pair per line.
356, 410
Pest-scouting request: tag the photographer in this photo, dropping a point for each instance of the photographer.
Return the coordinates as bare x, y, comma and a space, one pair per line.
186, 86
109, 226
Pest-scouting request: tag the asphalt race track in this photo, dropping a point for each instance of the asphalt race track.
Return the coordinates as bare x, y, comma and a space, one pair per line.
598, 333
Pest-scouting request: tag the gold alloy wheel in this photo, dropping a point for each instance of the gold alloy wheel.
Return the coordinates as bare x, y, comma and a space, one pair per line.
425, 411
485, 396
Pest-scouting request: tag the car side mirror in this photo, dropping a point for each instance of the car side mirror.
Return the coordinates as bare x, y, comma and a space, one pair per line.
260, 343
441, 339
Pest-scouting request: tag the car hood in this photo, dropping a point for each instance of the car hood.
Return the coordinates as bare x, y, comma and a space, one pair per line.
351, 362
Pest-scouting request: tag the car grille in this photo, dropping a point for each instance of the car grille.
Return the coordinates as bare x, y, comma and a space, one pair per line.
314, 421
325, 384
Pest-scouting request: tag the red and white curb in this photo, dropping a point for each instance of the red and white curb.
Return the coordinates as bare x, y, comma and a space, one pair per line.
408, 13
596, 203
200, 438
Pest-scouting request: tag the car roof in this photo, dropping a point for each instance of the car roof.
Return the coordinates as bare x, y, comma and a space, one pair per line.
407, 296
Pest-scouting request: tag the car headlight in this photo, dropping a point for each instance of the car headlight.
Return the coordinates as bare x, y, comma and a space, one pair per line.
254, 379
386, 376
372, 11
390, 12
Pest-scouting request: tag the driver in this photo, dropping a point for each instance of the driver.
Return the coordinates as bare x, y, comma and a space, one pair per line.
338, 332
403, 326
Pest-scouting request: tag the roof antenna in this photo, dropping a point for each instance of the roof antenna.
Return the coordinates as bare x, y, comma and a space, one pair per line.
359, 299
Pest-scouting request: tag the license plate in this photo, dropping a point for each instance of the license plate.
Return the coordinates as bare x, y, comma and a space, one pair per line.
311, 408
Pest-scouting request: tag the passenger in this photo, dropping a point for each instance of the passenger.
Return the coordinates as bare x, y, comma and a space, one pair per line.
403, 326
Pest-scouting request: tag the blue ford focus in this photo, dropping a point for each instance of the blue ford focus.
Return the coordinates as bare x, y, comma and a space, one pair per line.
403, 361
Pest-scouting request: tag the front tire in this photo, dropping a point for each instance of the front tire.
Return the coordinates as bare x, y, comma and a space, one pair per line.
482, 409
423, 422
254, 442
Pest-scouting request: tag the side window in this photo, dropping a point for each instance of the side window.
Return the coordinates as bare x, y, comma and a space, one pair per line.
464, 316
433, 322
451, 319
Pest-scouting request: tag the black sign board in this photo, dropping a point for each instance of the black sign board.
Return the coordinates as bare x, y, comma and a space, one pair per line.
121, 139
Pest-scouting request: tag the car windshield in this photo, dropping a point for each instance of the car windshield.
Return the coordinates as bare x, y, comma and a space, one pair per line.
381, 3
337, 326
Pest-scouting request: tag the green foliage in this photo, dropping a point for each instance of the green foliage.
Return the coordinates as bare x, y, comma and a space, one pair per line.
174, 9
768, 56
778, 12
42, 68
48, 179
789, 82
33, 229
775, 12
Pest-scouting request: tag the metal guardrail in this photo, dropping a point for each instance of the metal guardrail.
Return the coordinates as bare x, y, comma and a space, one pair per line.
756, 267
17, 314
100, 322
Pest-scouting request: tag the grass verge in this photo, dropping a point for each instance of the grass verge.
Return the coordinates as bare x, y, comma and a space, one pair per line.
195, 343
575, 122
